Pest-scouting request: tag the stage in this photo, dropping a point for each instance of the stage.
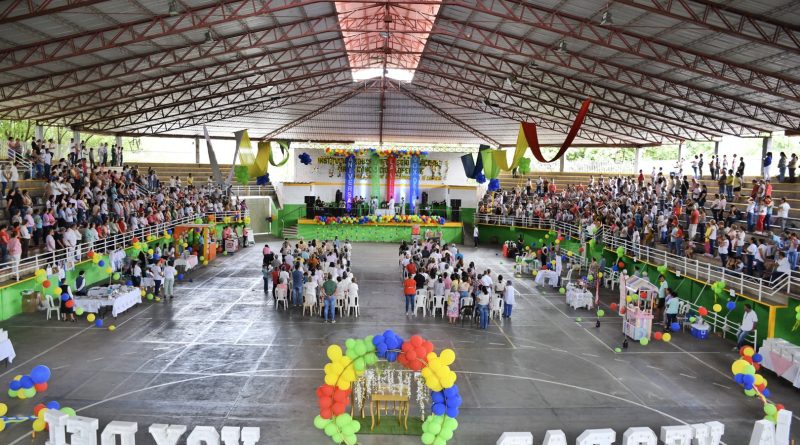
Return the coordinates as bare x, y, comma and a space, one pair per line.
377, 232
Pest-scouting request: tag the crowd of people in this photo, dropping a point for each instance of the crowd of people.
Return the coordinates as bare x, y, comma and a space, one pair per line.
439, 271
86, 201
314, 273
672, 210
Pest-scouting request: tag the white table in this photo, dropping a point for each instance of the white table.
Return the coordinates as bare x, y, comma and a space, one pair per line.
97, 298
382, 212
782, 358
7, 351
546, 275
188, 263
578, 297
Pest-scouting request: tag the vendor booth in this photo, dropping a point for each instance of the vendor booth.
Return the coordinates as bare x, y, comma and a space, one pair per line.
200, 237
637, 320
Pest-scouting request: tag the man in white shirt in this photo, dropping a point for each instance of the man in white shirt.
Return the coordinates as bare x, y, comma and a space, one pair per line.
509, 298
475, 235
783, 212
749, 321
169, 280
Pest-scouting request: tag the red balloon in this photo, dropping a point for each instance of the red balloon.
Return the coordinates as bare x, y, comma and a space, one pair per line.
40, 387
621, 264
46, 284
702, 311
748, 359
622, 311
428, 346
325, 402
407, 346
327, 390
779, 406
757, 366
613, 306
69, 304
326, 413
90, 254
38, 408
411, 356
658, 335
135, 239
340, 396
416, 340
338, 408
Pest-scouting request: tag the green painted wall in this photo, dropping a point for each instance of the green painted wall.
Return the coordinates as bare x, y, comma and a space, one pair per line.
287, 216
467, 215
687, 289
384, 234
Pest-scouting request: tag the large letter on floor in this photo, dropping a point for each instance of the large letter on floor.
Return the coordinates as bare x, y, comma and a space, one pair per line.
83, 430
554, 437
205, 435
677, 435
639, 436
249, 435
56, 422
605, 436
125, 430
708, 433
166, 434
766, 433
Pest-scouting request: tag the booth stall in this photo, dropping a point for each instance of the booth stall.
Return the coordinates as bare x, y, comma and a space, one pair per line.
638, 317
578, 296
200, 237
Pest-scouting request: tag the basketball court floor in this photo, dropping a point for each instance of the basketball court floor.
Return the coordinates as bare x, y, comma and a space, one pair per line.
221, 354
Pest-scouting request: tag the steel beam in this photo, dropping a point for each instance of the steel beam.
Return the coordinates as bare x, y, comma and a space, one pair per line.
339, 100
450, 118
17, 10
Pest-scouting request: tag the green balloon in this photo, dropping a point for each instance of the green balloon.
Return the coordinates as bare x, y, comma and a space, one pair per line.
342, 420
450, 423
350, 343
30, 392
330, 429
79, 311
600, 312
439, 441
12, 393
770, 409
320, 422
350, 439
617, 350
562, 290
428, 438
115, 276
446, 434
644, 341
579, 319
356, 426
750, 392
337, 438
69, 411
435, 429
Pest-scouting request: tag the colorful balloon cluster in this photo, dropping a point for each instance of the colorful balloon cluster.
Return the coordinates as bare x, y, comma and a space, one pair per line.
26, 386
305, 159
41, 409
755, 385
375, 219
397, 152
416, 354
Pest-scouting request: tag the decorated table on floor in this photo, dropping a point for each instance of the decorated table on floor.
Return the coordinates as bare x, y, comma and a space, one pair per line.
119, 298
782, 358
7, 353
546, 275
578, 296
188, 263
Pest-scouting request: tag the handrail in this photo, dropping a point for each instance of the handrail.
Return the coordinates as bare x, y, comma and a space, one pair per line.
740, 282
718, 321
120, 241
251, 190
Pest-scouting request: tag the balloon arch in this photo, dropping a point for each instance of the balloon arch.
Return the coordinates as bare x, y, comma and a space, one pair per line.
415, 354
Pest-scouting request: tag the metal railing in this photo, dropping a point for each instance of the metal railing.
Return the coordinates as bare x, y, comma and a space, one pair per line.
252, 190
27, 266
738, 281
718, 322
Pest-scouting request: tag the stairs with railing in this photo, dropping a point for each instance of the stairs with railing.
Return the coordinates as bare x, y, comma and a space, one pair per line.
290, 232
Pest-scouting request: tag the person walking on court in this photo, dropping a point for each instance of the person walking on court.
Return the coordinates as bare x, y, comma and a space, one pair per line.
475, 235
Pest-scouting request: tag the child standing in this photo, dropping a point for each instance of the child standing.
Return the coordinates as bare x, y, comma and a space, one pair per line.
453, 301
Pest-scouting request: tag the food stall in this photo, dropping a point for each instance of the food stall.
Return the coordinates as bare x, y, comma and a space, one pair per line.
579, 296
637, 320
200, 237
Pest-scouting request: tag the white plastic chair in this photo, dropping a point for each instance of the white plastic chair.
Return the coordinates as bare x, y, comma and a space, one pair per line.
438, 304
497, 308
52, 307
352, 304
610, 278
310, 303
281, 297
420, 302
340, 306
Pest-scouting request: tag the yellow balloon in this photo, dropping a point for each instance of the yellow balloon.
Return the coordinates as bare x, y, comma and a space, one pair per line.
56, 291
3, 409
41, 413
448, 356
38, 425
90, 318
666, 337
738, 366
334, 352
112, 328
205, 263
344, 385
143, 293
2, 424
717, 307
330, 379
426, 373
759, 379
109, 270
18, 377
137, 245
150, 251
21, 395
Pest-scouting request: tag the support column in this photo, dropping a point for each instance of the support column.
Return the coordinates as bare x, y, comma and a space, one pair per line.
716, 149
76, 137
637, 159
561, 163
766, 145
118, 140
197, 149
680, 150
38, 132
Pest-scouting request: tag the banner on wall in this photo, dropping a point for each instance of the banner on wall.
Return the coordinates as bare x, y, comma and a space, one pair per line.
375, 175
349, 180
413, 181
391, 173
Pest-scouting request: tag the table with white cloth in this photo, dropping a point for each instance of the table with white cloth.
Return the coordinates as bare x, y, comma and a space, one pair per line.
382, 212
546, 275
7, 351
579, 297
118, 298
188, 263
782, 358
232, 245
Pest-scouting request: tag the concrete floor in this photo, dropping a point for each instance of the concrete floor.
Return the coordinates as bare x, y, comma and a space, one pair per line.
220, 354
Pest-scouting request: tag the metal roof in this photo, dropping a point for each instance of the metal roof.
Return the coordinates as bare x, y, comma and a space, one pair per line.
656, 71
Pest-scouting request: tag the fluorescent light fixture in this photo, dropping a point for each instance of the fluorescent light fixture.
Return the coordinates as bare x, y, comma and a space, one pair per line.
401, 74
607, 19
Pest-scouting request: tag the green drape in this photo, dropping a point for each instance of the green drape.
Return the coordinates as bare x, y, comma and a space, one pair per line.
490, 167
375, 175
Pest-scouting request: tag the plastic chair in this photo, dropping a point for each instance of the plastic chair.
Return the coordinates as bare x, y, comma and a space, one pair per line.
438, 304
497, 308
310, 303
281, 296
467, 309
340, 306
420, 302
683, 309
352, 304
51, 307
610, 278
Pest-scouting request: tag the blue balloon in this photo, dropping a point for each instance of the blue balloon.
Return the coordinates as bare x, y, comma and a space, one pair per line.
454, 401
615, 268
765, 392
748, 386
53, 405
437, 397
40, 374
731, 305
378, 339
391, 356
180, 277
757, 358
156, 256
101, 263
15, 385
438, 409
26, 382
748, 379
451, 391
98, 323
381, 349
452, 412
739, 378
675, 326
129, 283
64, 297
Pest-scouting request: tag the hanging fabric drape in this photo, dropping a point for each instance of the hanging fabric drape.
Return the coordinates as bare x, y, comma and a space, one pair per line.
531, 139
500, 159
349, 180
212, 159
413, 182
261, 163
375, 175
284, 145
473, 168
391, 173
490, 168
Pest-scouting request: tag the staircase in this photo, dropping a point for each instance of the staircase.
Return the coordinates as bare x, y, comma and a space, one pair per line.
290, 232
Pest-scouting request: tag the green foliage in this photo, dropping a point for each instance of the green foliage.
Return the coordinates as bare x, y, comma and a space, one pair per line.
242, 174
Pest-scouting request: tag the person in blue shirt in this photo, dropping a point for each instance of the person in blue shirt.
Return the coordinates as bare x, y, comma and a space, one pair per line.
297, 285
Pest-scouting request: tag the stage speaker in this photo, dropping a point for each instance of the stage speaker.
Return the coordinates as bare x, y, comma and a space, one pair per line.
424, 199
455, 204
309, 200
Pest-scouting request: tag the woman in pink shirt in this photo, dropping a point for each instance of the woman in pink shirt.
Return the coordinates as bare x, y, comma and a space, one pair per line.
15, 252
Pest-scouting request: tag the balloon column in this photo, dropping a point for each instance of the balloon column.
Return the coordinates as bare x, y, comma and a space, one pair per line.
416, 354
755, 385
26, 386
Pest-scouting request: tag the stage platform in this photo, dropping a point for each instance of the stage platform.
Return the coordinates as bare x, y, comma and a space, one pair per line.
377, 232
